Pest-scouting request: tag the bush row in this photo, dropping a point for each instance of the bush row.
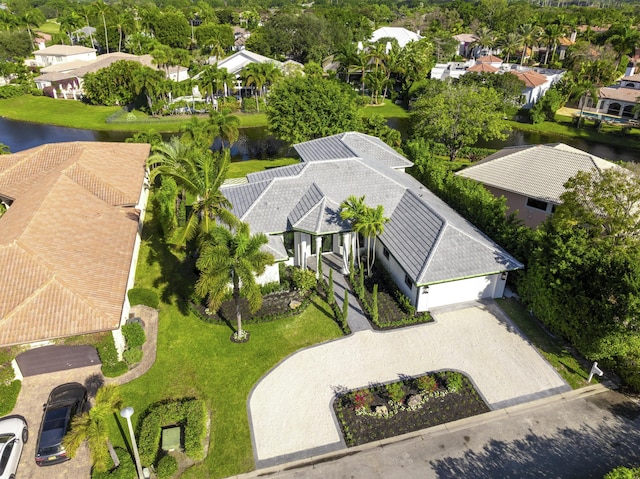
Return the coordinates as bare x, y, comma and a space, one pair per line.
190, 414
126, 469
111, 366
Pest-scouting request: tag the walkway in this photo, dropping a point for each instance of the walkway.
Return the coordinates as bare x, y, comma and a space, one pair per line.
290, 408
356, 318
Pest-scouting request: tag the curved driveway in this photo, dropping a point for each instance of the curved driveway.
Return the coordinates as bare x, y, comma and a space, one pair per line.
290, 408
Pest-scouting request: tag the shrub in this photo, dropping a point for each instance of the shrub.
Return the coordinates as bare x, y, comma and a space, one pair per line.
190, 413
454, 381
345, 307
134, 335
272, 287
331, 298
126, 469
405, 303
396, 392
10, 91
111, 366
623, 473
132, 356
303, 279
427, 383
167, 467
374, 304
362, 398
9, 396
144, 296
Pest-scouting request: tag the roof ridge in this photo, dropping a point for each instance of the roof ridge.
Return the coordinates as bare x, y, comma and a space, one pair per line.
256, 201
94, 180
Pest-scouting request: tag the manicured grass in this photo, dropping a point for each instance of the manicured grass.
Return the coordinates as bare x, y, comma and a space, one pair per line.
50, 27
197, 359
554, 350
240, 169
388, 110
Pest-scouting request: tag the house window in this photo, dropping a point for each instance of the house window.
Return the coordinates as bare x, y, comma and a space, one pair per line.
385, 252
408, 281
288, 237
537, 204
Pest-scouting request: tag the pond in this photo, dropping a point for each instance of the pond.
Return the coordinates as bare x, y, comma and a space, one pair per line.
257, 143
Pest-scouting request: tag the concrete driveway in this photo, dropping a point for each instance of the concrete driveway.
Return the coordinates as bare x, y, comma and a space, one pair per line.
290, 408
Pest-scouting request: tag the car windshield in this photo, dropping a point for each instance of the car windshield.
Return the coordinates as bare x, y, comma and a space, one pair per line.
5, 438
6, 454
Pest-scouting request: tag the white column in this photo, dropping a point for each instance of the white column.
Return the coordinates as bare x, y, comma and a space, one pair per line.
345, 252
319, 256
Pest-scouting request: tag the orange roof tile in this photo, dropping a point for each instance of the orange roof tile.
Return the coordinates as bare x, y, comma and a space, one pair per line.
66, 242
489, 59
482, 67
531, 78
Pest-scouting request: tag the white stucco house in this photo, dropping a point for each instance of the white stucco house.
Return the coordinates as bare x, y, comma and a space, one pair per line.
236, 62
617, 100
57, 54
400, 34
435, 256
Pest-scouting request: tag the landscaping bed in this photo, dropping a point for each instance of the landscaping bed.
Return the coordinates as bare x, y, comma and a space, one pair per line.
384, 411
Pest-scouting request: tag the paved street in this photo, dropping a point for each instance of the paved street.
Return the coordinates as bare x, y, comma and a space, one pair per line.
582, 434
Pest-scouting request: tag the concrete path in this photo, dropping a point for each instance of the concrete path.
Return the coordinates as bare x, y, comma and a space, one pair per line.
290, 408
580, 434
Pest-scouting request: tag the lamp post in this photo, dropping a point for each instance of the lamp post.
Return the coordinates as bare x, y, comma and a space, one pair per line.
126, 413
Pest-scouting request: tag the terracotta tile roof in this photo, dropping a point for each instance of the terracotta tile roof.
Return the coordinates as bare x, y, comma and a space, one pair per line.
67, 240
482, 67
531, 78
630, 95
489, 59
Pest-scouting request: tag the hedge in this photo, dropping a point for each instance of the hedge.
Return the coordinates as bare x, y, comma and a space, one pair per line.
167, 467
9, 396
134, 335
144, 296
126, 469
111, 366
191, 414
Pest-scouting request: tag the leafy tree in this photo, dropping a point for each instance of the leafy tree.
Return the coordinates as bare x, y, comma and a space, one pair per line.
215, 38
546, 107
172, 29
459, 116
376, 125
232, 256
93, 427
14, 45
225, 125
302, 108
507, 84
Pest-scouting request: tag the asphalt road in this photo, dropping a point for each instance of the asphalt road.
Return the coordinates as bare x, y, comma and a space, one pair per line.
582, 434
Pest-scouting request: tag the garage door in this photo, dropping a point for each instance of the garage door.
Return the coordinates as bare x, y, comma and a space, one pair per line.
49, 359
461, 291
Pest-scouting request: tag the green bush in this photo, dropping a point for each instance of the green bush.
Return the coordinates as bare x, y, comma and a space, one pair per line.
145, 296
427, 383
272, 287
303, 279
134, 335
190, 413
10, 91
132, 356
454, 381
167, 467
111, 366
126, 469
396, 392
9, 396
623, 473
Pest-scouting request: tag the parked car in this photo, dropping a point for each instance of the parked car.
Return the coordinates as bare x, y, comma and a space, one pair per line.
13, 436
65, 402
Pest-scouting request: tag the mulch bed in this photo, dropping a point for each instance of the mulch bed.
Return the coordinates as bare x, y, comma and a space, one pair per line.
361, 429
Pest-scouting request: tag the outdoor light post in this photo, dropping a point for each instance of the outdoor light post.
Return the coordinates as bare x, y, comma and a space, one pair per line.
126, 413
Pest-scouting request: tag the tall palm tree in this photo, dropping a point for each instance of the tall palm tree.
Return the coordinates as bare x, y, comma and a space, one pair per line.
510, 44
197, 133
33, 18
148, 81
85, 10
102, 9
200, 174
352, 210
346, 57
372, 225
93, 427
624, 41
228, 81
361, 60
529, 33
254, 75
70, 21
550, 36
486, 39
179, 57
226, 126
209, 81
233, 256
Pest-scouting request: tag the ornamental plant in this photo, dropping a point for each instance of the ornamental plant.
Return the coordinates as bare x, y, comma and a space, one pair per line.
363, 399
396, 392
427, 384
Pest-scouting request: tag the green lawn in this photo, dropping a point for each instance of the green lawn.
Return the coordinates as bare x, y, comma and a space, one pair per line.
554, 350
197, 359
50, 27
240, 169
388, 110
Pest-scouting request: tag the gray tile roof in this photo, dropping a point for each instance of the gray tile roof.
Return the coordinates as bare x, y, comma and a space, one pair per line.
329, 148
428, 238
538, 171
275, 246
291, 170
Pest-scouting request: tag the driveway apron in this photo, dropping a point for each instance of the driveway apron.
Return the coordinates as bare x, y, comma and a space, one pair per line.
290, 408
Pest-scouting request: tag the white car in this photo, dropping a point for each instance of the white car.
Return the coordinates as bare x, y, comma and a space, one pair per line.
13, 436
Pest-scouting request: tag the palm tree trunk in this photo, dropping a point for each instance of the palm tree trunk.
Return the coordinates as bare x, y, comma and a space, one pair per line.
112, 453
106, 38
524, 51
236, 300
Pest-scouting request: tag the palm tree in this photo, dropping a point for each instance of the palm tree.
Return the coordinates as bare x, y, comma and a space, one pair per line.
361, 60
624, 41
528, 33
550, 36
85, 10
148, 81
234, 256
33, 18
352, 210
4, 149
253, 74
70, 21
208, 80
372, 225
93, 427
486, 39
200, 174
179, 57
102, 9
197, 133
510, 44
377, 81
227, 79
346, 56
225, 125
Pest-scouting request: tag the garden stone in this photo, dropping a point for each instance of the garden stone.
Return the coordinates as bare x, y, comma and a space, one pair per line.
294, 304
414, 400
382, 411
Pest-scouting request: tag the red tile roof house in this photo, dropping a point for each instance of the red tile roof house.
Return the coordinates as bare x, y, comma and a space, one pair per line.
69, 239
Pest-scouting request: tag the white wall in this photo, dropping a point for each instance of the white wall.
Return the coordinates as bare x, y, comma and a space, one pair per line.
271, 274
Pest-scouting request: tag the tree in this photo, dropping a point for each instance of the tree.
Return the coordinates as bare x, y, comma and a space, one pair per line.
346, 56
253, 75
225, 125
232, 256
624, 40
171, 28
510, 44
372, 225
508, 85
352, 210
149, 82
528, 33
101, 9
33, 18
197, 133
199, 174
93, 427
459, 116
302, 108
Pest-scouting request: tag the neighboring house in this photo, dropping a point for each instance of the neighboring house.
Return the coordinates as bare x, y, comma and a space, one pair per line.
435, 256
617, 100
236, 62
532, 177
240, 37
70, 238
69, 76
401, 35
466, 43
537, 80
57, 54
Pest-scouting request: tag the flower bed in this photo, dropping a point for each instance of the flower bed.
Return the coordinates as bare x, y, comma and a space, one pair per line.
384, 411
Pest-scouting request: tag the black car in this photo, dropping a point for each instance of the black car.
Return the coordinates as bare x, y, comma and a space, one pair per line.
65, 402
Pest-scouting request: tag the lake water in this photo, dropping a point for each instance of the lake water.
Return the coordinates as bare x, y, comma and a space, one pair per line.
256, 143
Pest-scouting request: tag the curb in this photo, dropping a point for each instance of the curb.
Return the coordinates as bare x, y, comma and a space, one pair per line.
435, 431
